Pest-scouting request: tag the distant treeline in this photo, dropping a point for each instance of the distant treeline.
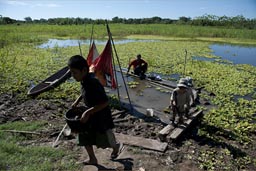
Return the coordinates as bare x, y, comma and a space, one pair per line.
205, 20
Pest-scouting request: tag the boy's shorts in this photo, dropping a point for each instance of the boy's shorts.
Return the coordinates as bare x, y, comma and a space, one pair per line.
101, 140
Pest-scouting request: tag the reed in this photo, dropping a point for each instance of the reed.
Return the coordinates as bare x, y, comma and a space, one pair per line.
39, 33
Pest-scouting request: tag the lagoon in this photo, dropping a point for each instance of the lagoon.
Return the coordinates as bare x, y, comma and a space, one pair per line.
72, 42
234, 53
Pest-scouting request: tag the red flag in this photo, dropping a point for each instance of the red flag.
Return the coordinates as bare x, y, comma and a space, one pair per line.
93, 54
103, 66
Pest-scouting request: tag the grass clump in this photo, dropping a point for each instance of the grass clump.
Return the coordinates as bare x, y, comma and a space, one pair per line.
16, 156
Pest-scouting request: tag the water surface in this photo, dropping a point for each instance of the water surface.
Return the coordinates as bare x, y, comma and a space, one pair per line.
236, 54
73, 42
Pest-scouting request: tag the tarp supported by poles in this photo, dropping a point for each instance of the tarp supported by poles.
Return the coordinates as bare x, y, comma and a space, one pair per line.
103, 65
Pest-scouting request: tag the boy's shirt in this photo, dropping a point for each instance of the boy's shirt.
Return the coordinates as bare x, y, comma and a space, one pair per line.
93, 94
181, 99
92, 91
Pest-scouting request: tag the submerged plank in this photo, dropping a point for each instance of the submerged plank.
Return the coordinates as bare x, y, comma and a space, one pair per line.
142, 142
162, 82
181, 128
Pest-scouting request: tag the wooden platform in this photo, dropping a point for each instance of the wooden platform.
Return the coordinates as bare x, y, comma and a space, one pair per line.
178, 131
142, 142
165, 132
170, 132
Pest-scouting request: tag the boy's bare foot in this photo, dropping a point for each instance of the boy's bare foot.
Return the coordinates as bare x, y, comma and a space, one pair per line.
89, 162
117, 151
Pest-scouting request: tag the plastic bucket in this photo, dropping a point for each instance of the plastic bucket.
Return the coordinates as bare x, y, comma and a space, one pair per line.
73, 119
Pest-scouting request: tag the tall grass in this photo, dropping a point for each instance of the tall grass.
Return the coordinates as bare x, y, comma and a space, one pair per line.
38, 33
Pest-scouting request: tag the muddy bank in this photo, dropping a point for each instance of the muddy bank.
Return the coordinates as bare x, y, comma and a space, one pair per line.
185, 154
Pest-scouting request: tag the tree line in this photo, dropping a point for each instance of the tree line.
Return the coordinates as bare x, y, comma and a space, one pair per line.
205, 20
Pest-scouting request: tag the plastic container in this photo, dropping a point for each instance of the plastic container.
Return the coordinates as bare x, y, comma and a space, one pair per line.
150, 112
73, 119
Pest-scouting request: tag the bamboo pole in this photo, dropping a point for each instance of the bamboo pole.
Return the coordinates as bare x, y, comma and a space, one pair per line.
110, 36
57, 139
118, 93
91, 35
185, 62
22, 132
80, 48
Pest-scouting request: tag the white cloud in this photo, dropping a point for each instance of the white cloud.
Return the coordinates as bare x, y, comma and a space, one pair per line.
16, 3
45, 5
202, 8
31, 4
53, 5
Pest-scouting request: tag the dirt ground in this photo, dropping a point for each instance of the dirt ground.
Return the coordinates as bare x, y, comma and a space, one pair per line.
179, 155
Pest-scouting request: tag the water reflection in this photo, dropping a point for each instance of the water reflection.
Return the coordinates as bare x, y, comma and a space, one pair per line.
72, 42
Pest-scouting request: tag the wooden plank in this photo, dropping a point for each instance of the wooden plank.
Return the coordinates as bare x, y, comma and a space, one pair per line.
118, 112
181, 128
162, 82
121, 120
165, 131
142, 142
160, 85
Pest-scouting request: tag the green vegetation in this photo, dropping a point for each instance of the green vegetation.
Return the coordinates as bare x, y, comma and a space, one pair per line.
27, 33
133, 84
23, 64
14, 155
205, 20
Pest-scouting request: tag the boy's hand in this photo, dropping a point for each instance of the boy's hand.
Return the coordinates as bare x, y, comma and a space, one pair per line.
85, 116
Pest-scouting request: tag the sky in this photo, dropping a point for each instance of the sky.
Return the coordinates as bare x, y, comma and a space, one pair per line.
108, 9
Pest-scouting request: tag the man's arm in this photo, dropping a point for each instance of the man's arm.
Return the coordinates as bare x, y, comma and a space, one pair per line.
188, 100
144, 62
129, 66
128, 69
192, 96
